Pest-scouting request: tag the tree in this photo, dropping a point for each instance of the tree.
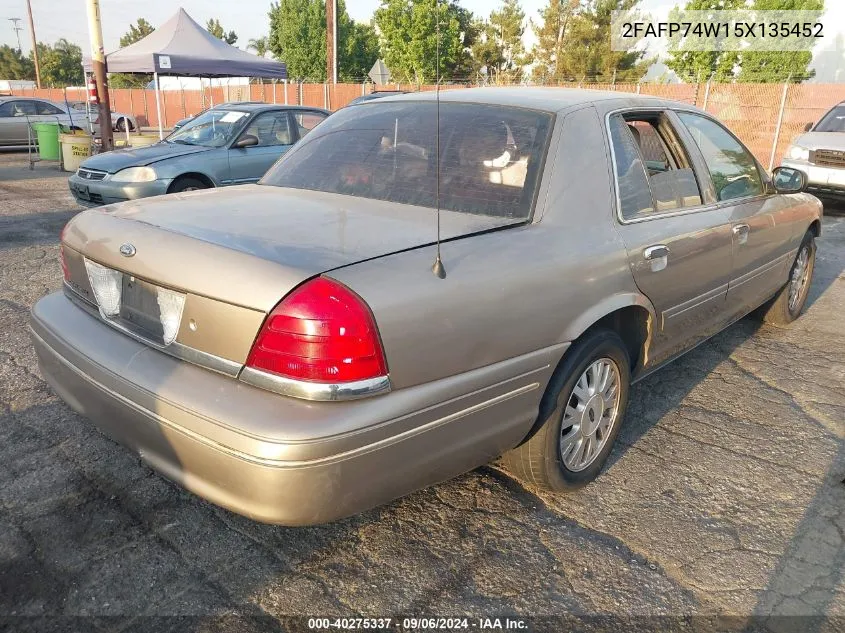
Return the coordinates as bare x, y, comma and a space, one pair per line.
298, 37
260, 45
573, 43
60, 64
214, 27
778, 66
507, 26
487, 53
408, 31
696, 66
13, 65
136, 32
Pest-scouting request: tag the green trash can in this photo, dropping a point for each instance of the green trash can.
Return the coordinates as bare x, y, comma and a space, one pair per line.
48, 140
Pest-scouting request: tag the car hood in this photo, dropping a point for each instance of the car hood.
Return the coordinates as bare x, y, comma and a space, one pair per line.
821, 140
122, 158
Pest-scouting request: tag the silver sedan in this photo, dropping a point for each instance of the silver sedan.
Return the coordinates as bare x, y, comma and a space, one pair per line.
305, 348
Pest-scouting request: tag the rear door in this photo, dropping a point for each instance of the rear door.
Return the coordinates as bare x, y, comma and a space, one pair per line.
14, 119
678, 242
761, 223
275, 134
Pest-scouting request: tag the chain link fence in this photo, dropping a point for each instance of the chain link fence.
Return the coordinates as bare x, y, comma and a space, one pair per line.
767, 117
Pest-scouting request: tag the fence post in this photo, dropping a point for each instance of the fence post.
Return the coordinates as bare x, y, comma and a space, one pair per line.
706, 93
300, 92
132, 106
146, 112
638, 87
780, 121
363, 87
326, 95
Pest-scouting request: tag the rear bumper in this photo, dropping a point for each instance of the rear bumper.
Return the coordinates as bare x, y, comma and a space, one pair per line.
823, 181
102, 192
199, 429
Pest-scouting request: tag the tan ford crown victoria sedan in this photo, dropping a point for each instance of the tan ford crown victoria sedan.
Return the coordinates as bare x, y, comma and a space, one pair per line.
287, 351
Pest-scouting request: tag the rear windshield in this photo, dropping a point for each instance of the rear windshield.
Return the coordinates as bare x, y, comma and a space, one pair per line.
490, 156
833, 121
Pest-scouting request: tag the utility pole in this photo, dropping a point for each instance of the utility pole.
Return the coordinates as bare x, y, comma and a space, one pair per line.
17, 29
98, 61
34, 45
331, 41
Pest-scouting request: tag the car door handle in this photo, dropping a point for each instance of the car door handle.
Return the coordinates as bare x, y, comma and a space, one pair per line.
741, 231
657, 256
656, 252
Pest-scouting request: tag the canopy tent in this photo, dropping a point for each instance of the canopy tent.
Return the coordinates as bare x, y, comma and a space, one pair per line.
180, 46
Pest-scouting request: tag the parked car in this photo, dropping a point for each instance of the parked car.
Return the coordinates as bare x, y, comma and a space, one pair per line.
120, 121
182, 122
17, 113
376, 94
284, 349
224, 146
820, 154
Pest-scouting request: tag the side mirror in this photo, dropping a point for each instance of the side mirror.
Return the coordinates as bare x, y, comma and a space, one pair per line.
788, 180
247, 140
808, 127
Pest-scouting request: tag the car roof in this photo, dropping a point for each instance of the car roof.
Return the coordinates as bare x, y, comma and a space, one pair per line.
537, 98
256, 106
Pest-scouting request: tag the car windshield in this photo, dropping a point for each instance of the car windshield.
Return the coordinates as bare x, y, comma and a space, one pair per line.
490, 156
213, 128
833, 121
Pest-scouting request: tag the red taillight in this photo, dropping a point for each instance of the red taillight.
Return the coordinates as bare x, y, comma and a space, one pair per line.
65, 271
321, 332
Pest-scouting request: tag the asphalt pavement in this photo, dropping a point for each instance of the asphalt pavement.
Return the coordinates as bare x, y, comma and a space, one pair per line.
724, 498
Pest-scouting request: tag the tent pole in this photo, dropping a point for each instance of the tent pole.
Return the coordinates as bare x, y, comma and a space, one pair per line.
158, 109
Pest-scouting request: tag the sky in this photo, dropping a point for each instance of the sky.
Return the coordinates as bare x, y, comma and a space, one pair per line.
248, 18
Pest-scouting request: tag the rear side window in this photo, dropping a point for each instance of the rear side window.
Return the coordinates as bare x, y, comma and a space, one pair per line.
649, 141
42, 107
732, 167
490, 156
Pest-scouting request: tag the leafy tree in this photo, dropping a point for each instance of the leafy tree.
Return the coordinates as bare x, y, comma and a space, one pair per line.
695, 66
508, 26
260, 45
13, 65
136, 32
573, 43
60, 64
778, 66
298, 38
487, 53
214, 27
408, 30
357, 50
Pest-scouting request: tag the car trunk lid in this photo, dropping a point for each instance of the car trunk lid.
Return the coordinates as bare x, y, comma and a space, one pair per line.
233, 254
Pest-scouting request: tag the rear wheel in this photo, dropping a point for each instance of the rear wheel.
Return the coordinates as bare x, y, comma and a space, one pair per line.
591, 395
187, 183
790, 301
122, 124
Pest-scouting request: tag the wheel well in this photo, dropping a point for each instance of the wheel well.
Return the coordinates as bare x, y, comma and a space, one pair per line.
816, 228
631, 323
196, 176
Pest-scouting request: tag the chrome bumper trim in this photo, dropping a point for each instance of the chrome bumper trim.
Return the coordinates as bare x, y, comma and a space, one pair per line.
315, 391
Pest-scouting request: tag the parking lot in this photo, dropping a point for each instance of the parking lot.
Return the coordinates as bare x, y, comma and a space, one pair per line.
724, 497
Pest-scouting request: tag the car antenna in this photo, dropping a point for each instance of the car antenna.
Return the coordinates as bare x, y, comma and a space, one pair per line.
437, 268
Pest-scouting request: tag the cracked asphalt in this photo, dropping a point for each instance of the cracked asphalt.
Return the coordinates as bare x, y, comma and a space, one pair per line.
724, 498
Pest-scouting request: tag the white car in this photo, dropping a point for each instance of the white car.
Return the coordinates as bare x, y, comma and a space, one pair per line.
119, 120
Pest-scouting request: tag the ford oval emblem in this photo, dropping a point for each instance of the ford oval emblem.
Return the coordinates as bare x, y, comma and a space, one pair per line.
127, 250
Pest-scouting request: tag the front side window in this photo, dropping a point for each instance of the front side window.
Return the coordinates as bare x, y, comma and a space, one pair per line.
490, 156
42, 107
17, 108
213, 128
732, 167
271, 128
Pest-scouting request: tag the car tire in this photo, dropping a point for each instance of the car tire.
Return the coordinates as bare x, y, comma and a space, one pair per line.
546, 459
787, 304
121, 125
187, 184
